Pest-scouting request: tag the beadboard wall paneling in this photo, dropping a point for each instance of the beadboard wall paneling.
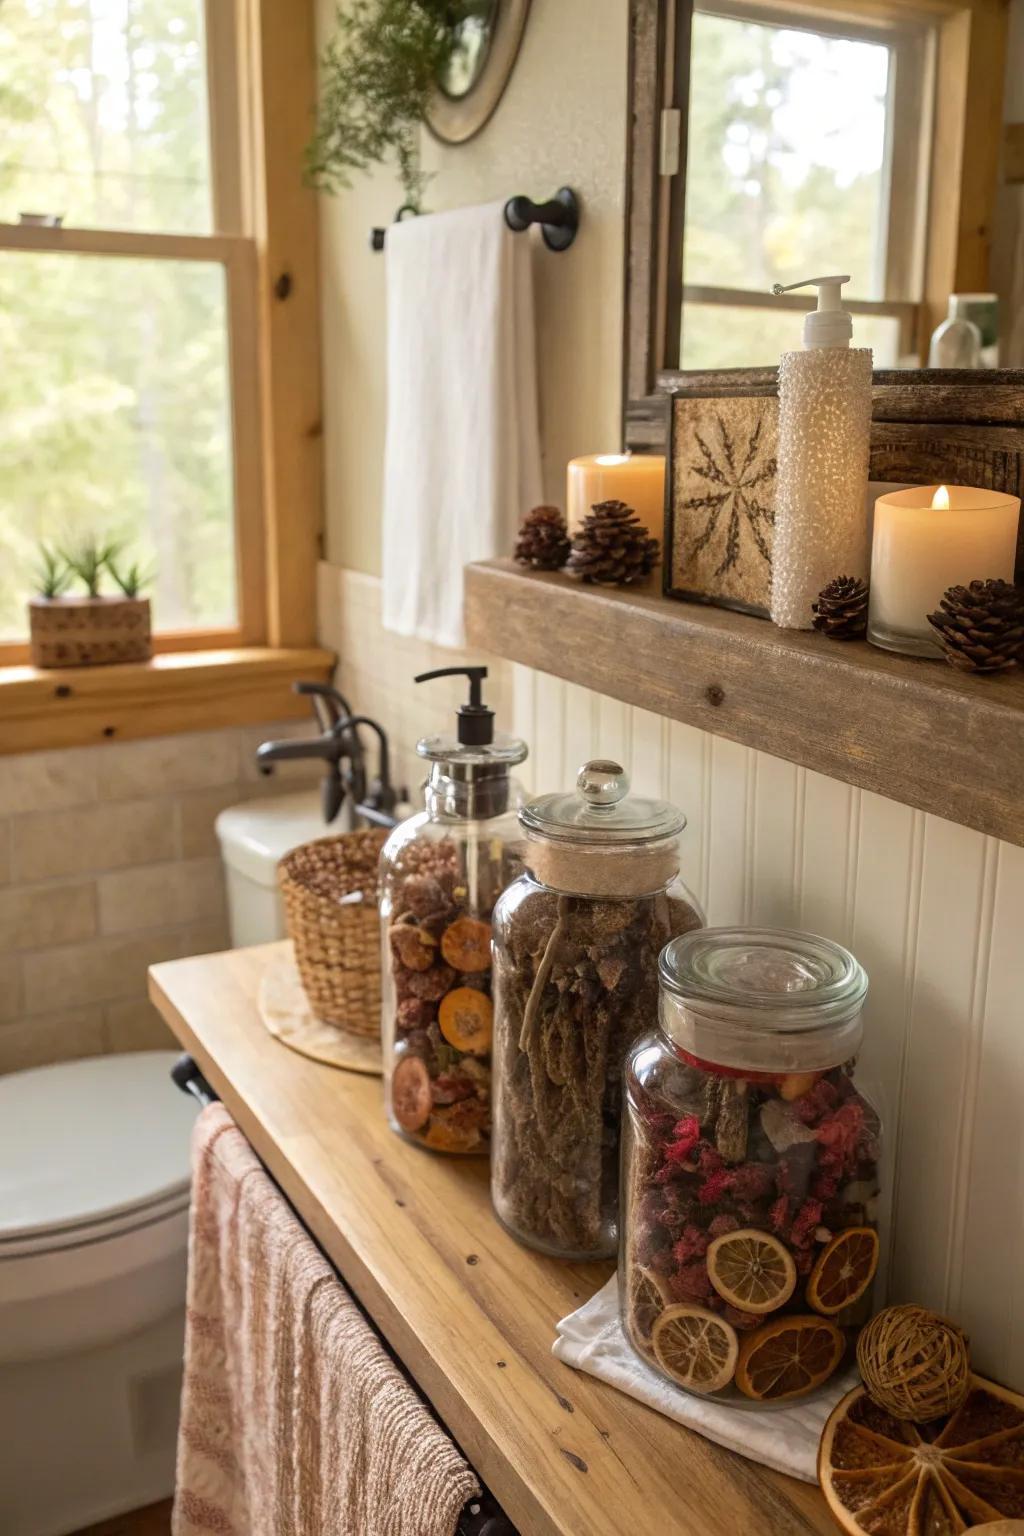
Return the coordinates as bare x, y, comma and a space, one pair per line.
933, 910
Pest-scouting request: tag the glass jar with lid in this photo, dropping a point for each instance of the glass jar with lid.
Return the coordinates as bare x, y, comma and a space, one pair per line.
750, 1167
441, 873
576, 945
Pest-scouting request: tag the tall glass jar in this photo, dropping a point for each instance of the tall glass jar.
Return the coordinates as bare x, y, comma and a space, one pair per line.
750, 1167
576, 944
441, 873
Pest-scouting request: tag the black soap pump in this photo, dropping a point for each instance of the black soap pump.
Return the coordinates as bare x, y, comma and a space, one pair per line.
470, 771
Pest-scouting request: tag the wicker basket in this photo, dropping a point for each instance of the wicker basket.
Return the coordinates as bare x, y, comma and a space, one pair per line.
337, 943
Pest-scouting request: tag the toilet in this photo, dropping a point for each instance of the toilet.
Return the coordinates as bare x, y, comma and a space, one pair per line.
254, 835
94, 1189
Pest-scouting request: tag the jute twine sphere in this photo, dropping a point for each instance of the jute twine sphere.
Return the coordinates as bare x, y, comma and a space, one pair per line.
915, 1364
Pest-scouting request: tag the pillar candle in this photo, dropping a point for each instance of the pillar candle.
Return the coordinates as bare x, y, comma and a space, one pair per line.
929, 538
638, 479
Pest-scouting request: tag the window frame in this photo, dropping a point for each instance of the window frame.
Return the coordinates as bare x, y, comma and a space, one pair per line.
261, 86
970, 40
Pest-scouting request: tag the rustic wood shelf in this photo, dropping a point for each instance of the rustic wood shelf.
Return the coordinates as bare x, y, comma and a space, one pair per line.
916, 731
469, 1312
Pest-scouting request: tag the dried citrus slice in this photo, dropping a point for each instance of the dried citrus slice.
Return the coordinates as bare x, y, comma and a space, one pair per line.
466, 944
844, 1270
647, 1299
410, 1093
465, 1017
883, 1476
751, 1270
788, 1357
695, 1347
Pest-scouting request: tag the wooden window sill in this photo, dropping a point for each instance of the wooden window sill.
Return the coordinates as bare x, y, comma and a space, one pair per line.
175, 692
913, 730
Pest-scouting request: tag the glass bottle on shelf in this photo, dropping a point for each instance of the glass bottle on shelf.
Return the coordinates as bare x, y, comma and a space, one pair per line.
442, 871
750, 1167
576, 944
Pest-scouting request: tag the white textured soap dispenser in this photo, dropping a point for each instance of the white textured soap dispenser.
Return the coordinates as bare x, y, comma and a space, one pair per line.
824, 430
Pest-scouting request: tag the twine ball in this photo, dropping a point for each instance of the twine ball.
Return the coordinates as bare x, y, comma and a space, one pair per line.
915, 1364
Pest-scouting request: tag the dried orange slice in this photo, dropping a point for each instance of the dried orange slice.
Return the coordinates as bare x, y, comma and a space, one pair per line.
647, 1299
844, 1270
466, 1017
751, 1270
788, 1357
695, 1347
887, 1477
411, 1098
466, 944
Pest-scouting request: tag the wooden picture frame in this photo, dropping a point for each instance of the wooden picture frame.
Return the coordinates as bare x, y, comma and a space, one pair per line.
961, 426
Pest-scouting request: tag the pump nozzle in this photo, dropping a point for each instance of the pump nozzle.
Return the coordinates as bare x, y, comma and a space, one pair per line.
829, 325
475, 720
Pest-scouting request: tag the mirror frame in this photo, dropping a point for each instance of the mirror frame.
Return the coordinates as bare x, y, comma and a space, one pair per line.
455, 120
962, 185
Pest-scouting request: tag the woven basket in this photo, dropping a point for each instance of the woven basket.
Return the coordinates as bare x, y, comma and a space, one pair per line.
337, 943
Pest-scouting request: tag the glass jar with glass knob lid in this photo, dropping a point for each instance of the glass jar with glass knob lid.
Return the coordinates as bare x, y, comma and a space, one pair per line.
576, 944
441, 873
750, 1167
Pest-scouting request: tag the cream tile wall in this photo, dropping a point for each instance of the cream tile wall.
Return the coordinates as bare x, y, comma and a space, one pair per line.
109, 862
932, 909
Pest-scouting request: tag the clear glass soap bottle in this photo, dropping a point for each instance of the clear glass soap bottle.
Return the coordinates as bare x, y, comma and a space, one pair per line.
441, 873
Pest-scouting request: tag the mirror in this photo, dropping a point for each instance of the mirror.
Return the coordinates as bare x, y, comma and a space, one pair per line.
774, 140
473, 33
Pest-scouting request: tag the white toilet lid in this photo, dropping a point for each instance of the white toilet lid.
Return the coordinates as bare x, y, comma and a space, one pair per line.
85, 1141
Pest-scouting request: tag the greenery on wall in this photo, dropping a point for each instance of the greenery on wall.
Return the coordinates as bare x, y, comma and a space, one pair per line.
378, 74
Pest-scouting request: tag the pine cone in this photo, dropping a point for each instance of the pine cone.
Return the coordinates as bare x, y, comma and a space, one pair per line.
543, 540
981, 627
841, 611
613, 548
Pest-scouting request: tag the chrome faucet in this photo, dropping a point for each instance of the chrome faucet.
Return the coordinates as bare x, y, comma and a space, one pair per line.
341, 750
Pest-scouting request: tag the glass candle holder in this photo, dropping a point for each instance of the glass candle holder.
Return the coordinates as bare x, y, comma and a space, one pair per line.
929, 538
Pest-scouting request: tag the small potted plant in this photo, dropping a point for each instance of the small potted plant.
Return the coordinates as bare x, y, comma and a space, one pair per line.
68, 630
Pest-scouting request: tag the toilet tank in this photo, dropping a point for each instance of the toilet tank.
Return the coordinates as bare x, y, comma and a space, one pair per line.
254, 835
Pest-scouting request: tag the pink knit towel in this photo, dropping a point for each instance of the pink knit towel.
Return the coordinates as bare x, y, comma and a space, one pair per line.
294, 1420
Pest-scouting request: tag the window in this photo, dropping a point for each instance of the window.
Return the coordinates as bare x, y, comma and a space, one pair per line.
129, 396
803, 158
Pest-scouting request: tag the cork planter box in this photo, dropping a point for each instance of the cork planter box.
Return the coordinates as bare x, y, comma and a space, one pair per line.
88, 631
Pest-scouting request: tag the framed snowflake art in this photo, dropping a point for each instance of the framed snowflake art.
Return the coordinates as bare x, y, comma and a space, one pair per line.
720, 503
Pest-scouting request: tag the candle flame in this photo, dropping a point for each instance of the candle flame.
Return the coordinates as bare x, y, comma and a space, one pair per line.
940, 501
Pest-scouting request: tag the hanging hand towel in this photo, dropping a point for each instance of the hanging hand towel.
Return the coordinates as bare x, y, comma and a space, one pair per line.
462, 453
294, 1419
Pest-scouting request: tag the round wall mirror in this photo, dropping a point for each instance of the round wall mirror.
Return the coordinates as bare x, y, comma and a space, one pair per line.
488, 35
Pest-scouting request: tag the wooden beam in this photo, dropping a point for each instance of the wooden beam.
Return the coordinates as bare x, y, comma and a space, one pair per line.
284, 212
913, 730
1013, 154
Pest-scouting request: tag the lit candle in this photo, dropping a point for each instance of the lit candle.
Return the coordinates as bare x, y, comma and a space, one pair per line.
929, 538
638, 479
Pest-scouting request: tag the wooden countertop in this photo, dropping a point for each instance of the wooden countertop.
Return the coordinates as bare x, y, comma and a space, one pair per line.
469, 1312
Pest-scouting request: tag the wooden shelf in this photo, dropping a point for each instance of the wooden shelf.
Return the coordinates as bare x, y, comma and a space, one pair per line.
915, 731
469, 1312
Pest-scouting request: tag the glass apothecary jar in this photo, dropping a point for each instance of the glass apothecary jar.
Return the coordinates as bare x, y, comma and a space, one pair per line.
441, 873
750, 1167
576, 945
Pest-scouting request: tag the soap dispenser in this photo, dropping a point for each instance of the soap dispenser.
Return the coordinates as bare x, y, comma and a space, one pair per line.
441, 873
824, 434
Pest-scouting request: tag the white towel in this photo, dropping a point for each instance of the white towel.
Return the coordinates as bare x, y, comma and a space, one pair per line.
462, 453
786, 1439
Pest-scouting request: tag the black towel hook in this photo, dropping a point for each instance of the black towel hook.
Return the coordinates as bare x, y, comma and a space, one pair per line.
559, 217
